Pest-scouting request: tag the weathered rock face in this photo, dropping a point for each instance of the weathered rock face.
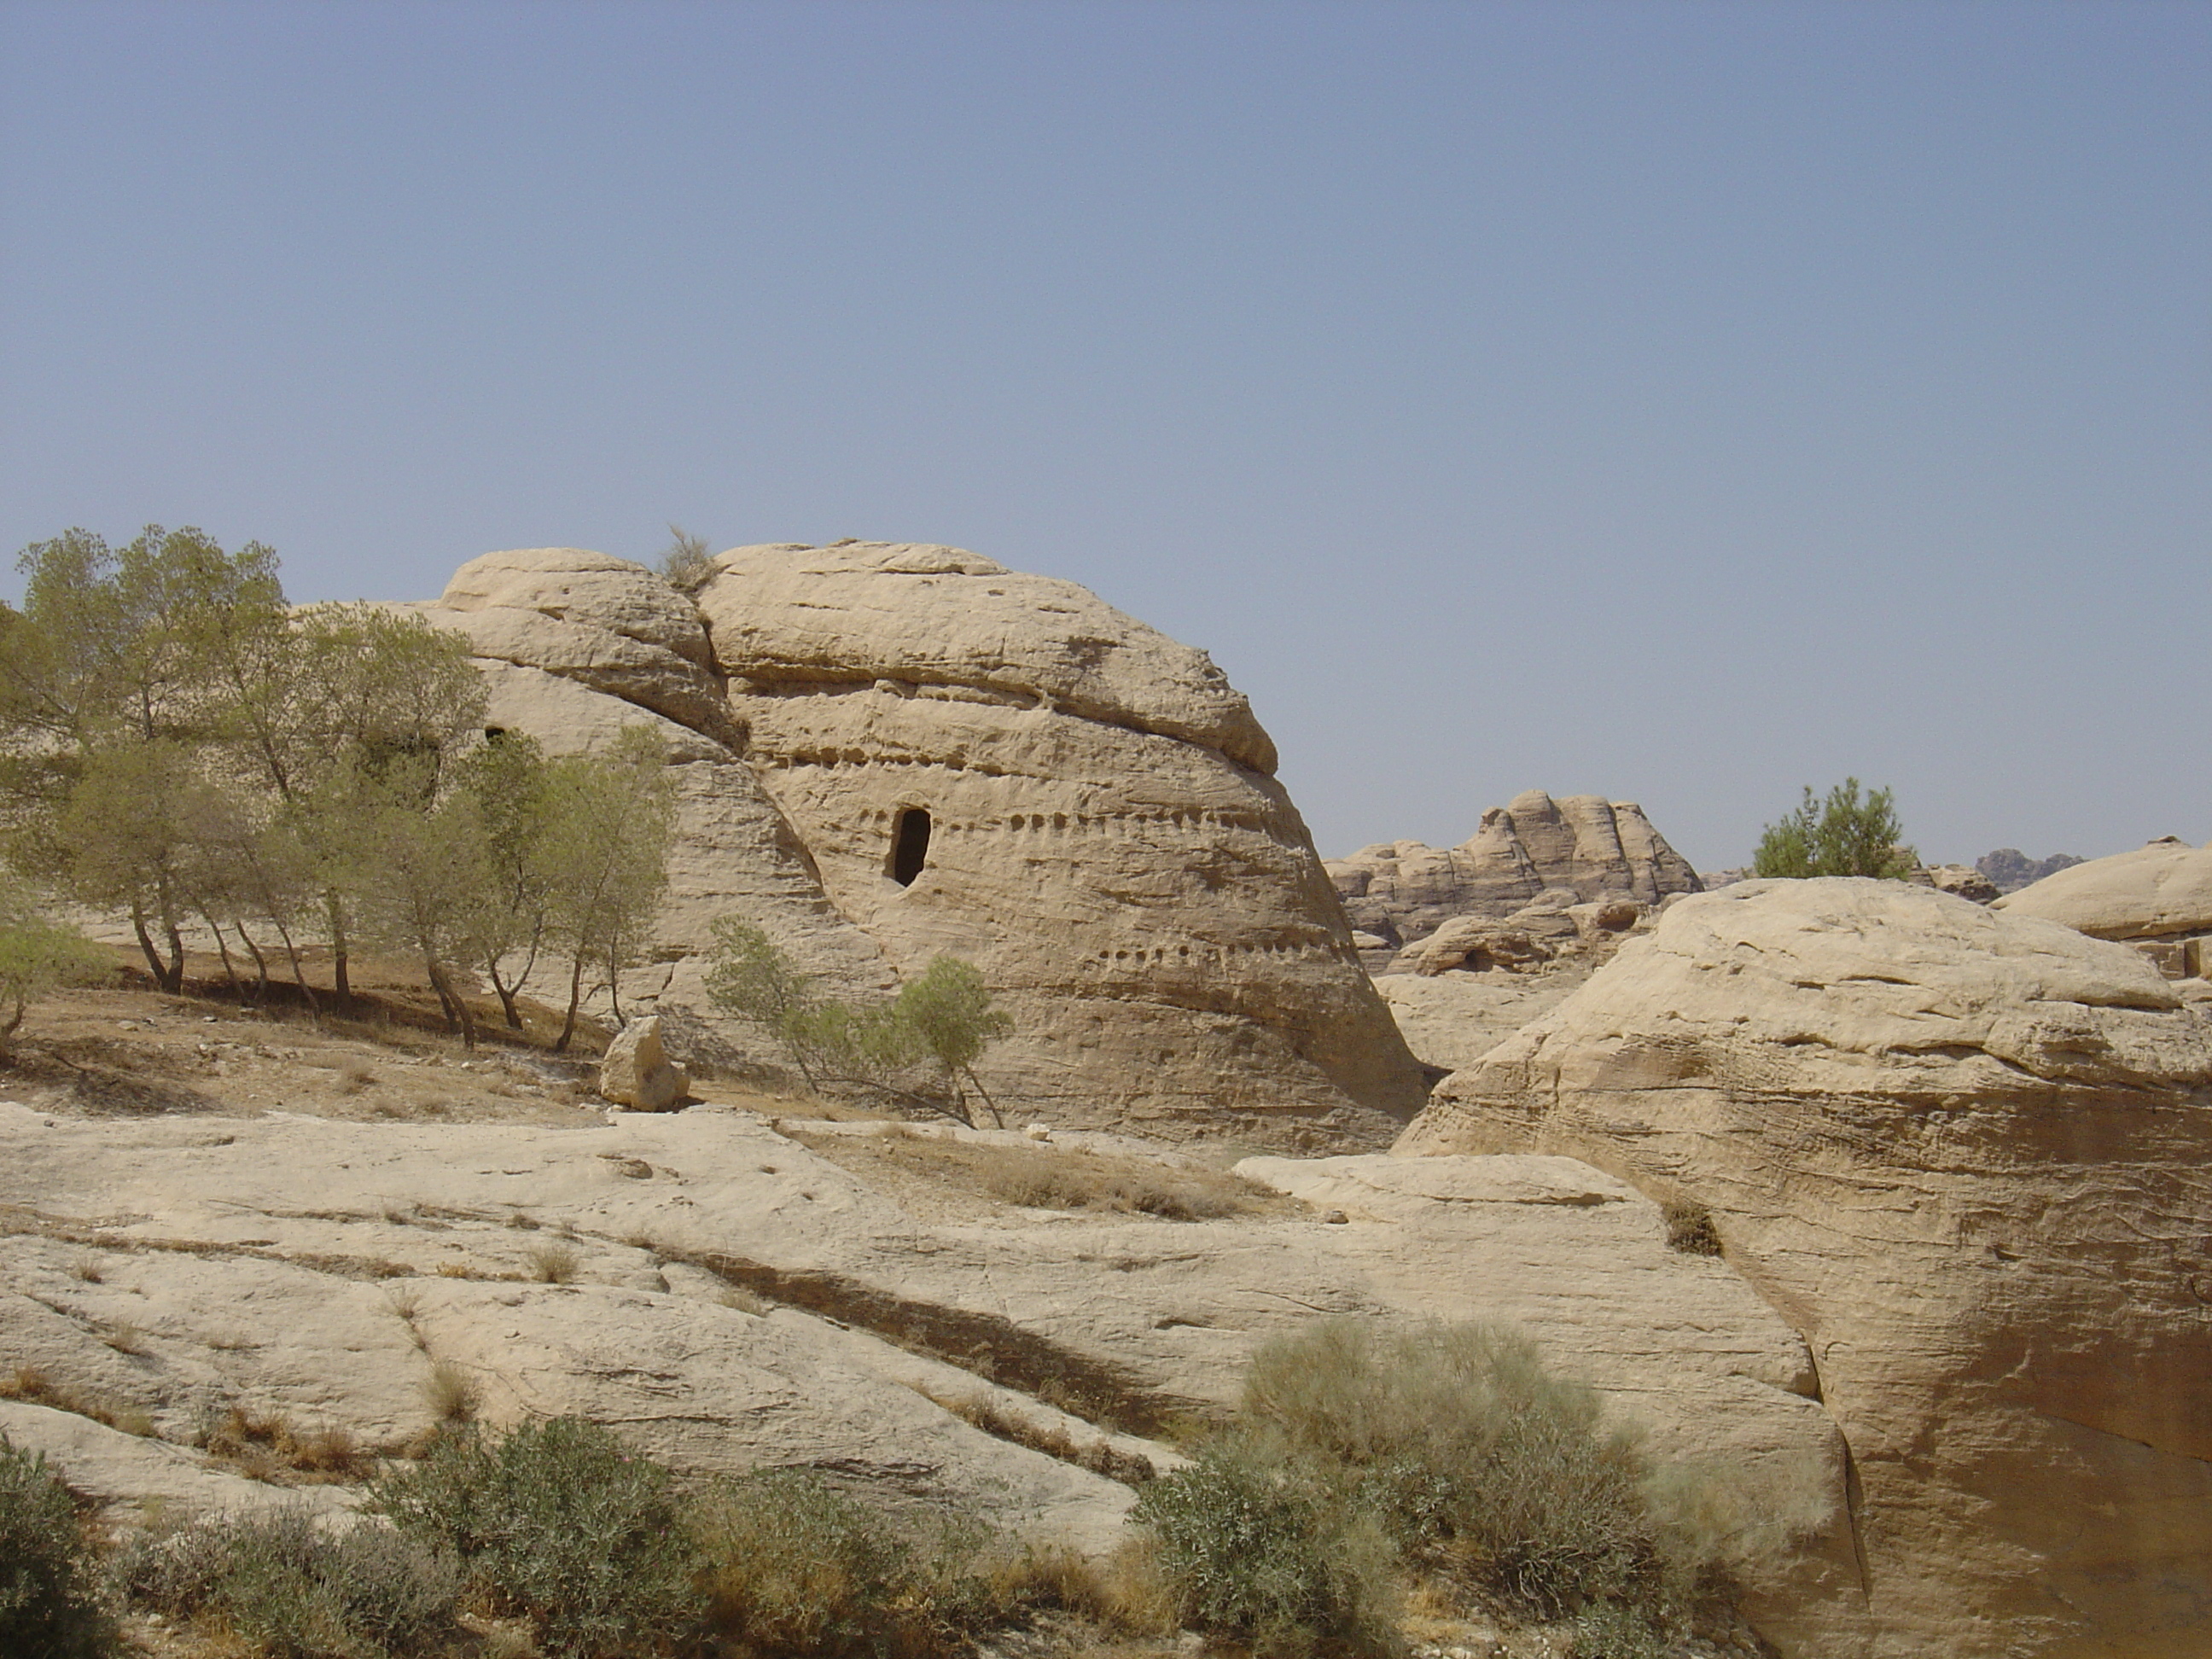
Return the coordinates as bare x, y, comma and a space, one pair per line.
1965, 1152
888, 751
1586, 848
2163, 889
319, 1270
1959, 880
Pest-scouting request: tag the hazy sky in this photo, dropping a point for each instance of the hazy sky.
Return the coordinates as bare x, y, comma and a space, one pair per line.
1684, 402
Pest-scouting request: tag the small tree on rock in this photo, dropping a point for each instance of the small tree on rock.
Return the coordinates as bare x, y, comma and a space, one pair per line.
1841, 835
38, 956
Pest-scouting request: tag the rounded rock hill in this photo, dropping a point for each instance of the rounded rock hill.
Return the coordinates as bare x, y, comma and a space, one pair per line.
885, 752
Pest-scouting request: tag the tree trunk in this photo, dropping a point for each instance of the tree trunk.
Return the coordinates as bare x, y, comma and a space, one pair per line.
300, 975
457, 1005
341, 984
576, 996
260, 964
506, 995
222, 950
146, 942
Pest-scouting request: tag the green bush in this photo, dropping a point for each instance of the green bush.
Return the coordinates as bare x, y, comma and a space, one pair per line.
293, 1591
1485, 1468
1268, 1547
1450, 1452
1842, 835
50, 1602
796, 1567
560, 1523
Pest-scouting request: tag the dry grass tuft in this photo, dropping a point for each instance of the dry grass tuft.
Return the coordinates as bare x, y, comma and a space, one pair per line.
86, 1266
1046, 1177
553, 1264
266, 1446
451, 1393
354, 1078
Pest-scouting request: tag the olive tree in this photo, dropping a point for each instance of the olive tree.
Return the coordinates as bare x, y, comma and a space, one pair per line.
610, 820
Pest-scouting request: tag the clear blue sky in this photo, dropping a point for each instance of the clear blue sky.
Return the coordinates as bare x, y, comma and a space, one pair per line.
1684, 402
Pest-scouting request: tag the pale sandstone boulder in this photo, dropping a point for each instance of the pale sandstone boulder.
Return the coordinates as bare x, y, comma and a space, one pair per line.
1963, 1151
1451, 1020
635, 1073
2159, 890
1087, 806
1961, 880
321, 1269
1583, 848
1092, 822
604, 623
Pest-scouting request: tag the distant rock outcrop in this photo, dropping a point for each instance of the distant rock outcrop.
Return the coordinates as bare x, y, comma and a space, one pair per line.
1963, 1150
2010, 869
885, 752
1582, 850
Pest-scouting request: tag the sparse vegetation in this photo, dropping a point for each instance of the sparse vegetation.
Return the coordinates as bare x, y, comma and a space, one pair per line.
290, 1590
28, 1382
451, 1393
557, 1521
1841, 835
941, 1021
553, 1264
268, 1446
38, 958
1052, 1177
51, 1605
1690, 1227
1453, 1453
686, 562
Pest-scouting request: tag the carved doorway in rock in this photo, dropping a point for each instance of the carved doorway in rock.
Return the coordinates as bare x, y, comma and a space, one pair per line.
909, 844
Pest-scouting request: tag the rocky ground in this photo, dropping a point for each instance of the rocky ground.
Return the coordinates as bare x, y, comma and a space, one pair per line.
245, 1258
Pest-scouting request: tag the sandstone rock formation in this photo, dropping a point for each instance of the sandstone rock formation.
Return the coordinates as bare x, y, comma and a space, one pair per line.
734, 1299
1959, 880
1963, 1151
890, 751
2162, 890
1584, 847
634, 1073
2009, 869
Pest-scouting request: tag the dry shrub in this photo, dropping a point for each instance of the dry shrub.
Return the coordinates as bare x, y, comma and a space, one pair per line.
354, 1078
559, 1523
1488, 1473
293, 1592
1690, 1227
267, 1446
553, 1264
30, 1384
795, 1567
51, 1604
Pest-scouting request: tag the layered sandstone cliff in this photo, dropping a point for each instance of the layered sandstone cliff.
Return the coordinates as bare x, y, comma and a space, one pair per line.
888, 751
1581, 849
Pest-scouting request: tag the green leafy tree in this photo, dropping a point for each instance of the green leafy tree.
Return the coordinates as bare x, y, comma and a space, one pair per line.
513, 786
1841, 835
424, 882
612, 818
37, 957
942, 1018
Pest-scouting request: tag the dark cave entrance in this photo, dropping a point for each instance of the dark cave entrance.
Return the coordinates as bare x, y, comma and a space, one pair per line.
909, 844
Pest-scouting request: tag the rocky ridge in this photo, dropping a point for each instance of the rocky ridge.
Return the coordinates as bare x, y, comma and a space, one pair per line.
1533, 851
